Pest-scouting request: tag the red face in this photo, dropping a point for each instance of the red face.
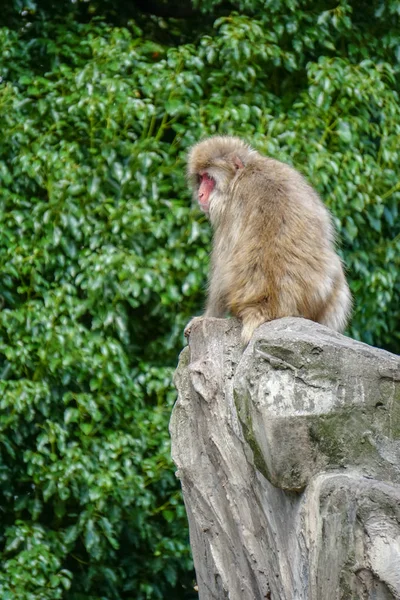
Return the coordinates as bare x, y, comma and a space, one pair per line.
206, 186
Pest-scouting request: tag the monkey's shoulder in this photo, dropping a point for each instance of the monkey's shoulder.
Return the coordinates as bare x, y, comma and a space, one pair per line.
264, 185
277, 182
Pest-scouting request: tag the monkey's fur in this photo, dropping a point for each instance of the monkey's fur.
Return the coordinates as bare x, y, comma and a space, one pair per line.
273, 249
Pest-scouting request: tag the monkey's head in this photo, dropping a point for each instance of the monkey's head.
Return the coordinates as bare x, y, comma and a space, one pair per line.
213, 165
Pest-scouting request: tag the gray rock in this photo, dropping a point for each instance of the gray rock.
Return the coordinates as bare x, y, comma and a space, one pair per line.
289, 459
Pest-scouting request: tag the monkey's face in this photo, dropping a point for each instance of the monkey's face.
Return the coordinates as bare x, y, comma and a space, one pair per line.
211, 192
206, 186
213, 188
213, 167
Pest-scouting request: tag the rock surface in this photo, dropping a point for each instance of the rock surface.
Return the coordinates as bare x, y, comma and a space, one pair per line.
289, 459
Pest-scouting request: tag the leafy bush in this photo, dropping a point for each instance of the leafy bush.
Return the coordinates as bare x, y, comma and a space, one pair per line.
94, 266
103, 260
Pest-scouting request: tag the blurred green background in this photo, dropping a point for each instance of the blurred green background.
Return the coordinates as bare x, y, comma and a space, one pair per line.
103, 260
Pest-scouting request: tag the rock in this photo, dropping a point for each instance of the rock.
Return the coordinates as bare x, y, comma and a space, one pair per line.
289, 459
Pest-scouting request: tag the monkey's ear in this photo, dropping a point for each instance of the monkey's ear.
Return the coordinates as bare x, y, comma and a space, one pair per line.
238, 163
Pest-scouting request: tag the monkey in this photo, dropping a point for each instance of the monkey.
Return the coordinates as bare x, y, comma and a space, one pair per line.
273, 252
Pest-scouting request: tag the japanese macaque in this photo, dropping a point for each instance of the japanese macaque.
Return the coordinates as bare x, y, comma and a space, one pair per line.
273, 249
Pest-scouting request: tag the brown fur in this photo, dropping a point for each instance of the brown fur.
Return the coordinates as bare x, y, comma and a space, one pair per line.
273, 252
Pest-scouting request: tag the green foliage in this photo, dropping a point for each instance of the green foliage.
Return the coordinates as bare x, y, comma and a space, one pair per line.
94, 265
103, 260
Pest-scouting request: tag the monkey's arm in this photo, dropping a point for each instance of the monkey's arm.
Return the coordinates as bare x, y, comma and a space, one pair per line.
216, 303
216, 307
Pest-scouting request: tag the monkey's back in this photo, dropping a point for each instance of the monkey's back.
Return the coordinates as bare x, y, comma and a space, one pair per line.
277, 243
